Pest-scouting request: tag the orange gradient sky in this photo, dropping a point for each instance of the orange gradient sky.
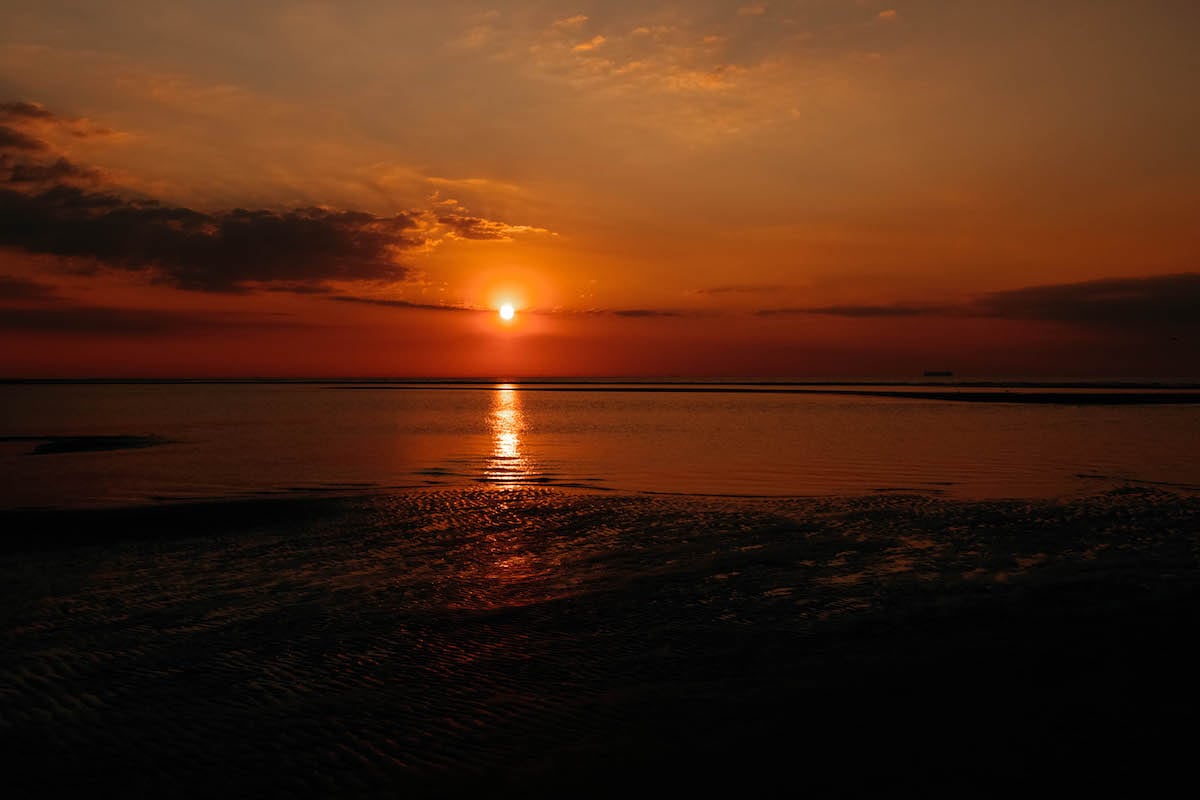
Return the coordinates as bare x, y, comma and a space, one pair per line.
805, 188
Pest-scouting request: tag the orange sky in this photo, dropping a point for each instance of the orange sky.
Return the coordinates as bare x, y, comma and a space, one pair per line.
807, 188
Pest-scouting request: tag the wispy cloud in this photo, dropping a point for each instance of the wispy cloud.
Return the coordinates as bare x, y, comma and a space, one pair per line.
645, 312
741, 288
572, 23
112, 321
590, 44
463, 226
401, 304
860, 311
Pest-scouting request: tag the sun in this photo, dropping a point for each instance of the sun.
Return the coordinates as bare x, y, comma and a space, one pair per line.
507, 312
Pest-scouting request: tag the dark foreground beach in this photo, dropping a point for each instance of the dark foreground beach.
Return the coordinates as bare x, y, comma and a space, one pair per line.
544, 642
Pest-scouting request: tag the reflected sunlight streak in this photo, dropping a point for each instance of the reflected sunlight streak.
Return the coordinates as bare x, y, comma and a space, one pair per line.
507, 466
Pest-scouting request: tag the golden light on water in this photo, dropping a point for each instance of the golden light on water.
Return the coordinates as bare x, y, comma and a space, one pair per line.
509, 561
507, 464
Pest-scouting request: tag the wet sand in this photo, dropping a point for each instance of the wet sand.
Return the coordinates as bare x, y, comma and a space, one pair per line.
546, 642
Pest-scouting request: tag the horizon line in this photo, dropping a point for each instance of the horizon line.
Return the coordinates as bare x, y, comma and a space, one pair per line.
947, 381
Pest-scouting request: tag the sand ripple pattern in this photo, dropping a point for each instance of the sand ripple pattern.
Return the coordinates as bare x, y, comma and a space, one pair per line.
438, 641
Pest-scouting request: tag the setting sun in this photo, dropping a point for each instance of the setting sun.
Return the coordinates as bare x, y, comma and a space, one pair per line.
507, 312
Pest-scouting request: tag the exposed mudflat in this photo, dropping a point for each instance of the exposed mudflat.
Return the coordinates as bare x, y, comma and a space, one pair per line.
541, 641
52, 445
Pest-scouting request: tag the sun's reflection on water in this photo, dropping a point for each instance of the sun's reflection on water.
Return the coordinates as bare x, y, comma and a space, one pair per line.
507, 465
511, 567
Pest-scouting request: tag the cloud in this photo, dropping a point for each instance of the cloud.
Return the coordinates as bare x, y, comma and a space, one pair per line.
43, 210
889, 15
51, 205
752, 10
128, 321
571, 23
676, 58
27, 110
52, 172
31, 306
464, 226
12, 288
1159, 302
591, 44
214, 252
21, 113
472, 184
897, 310
13, 139
743, 288
406, 304
28, 159
644, 312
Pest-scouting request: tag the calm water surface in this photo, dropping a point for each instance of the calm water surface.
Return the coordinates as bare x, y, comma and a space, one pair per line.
249, 439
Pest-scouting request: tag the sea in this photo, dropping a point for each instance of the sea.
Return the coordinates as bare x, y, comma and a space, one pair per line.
337, 588
115, 444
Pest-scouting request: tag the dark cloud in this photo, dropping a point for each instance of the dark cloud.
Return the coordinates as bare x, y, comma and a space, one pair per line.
55, 171
19, 108
22, 289
51, 205
898, 310
215, 252
634, 313
43, 209
643, 312
22, 113
13, 139
1156, 302
297, 288
378, 301
129, 321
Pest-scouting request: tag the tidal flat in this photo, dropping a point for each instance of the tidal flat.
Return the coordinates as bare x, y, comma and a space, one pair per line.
543, 641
